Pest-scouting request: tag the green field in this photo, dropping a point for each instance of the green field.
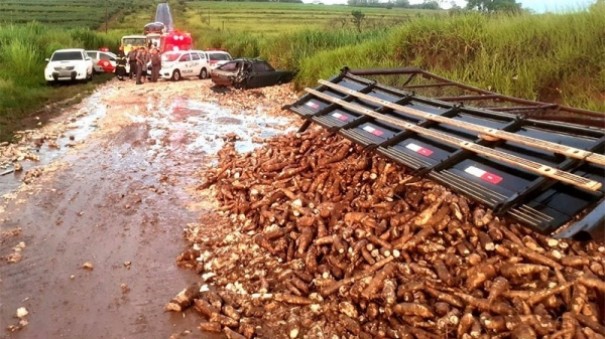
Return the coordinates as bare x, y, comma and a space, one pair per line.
285, 33
67, 13
547, 57
271, 18
551, 58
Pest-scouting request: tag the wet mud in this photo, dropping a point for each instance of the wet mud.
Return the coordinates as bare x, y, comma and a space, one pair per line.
115, 194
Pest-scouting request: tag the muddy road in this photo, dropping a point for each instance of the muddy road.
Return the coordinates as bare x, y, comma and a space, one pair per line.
110, 182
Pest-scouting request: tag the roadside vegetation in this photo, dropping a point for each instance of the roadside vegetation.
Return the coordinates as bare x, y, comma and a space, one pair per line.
548, 57
30, 30
22, 85
67, 13
287, 33
267, 19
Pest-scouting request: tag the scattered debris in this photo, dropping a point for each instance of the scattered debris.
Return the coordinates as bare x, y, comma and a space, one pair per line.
13, 328
319, 238
184, 299
88, 266
31, 174
16, 256
22, 312
5, 235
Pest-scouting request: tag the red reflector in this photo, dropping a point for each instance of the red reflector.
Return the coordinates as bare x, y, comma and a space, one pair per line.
494, 179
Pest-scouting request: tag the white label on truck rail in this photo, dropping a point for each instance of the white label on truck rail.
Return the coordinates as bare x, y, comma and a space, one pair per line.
419, 149
484, 175
373, 130
312, 104
340, 116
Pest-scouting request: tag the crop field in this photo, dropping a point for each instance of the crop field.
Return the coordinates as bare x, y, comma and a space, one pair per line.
552, 57
270, 18
66, 13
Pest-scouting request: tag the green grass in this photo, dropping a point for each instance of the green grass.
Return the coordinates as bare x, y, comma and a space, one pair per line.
22, 85
30, 30
67, 13
545, 57
286, 33
554, 58
270, 18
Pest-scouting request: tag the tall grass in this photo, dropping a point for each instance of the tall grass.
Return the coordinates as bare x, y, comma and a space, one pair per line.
23, 49
285, 50
22, 56
541, 57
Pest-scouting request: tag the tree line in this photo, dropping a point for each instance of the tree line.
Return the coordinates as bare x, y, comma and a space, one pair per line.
428, 4
288, 1
479, 5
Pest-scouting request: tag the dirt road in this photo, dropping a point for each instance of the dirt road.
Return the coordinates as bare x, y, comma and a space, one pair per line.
114, 192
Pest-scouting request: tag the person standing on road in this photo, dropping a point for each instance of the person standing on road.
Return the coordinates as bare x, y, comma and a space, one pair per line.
156, 64
132, 61
142, 60
121, 64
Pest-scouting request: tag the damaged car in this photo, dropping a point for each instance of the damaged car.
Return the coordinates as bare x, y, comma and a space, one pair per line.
249, 73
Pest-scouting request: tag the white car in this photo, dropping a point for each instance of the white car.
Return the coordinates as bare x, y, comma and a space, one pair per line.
181, 64
212, 60
103, 62
68, 64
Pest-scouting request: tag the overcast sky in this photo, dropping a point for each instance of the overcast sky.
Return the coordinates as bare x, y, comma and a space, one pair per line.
539, 6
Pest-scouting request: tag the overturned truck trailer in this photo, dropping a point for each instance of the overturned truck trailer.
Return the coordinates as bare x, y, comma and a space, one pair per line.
541, 164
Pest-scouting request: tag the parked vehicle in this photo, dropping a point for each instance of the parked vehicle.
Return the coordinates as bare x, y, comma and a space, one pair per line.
68, 64
102, 61
212, 60
249, 73
182, 64
163, 35
154, 27
130, 42
175, 41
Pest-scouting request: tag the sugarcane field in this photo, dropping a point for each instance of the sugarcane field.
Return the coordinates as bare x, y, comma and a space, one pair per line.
302, 169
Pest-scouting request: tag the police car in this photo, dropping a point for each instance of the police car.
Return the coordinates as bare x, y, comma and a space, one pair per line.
212, 60
181, 64
103, 61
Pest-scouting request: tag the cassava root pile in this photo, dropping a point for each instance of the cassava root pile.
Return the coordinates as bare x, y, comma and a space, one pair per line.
320, 239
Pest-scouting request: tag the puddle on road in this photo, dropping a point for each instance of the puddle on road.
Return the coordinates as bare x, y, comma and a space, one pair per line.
198, 128
79, 128
178, 128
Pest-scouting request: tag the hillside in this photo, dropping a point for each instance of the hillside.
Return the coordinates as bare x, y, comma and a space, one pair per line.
540, 57
67, 13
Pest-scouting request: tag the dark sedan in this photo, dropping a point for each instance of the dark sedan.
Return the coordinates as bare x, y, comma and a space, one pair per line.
249, 73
